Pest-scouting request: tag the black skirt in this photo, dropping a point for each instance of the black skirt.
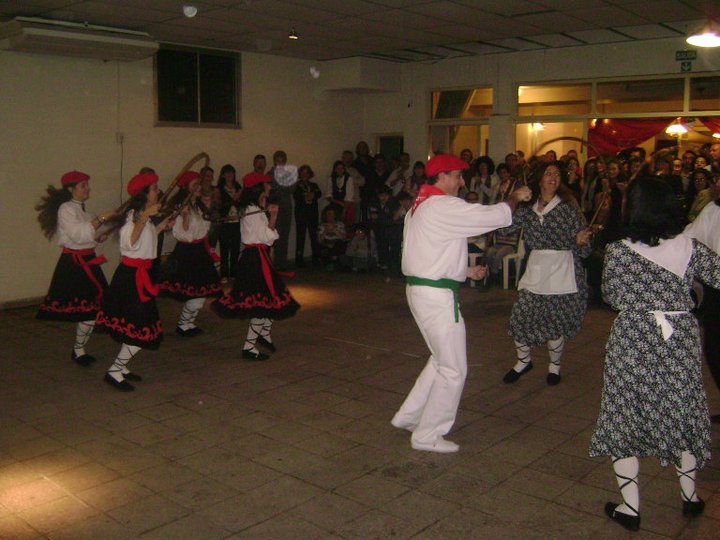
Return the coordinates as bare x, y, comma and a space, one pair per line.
73, 296
259, 290
189, 272
125, 316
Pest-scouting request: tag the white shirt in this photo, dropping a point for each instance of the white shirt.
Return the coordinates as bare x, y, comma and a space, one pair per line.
706, 227
146, 245
75, 230
435, 236
198, 227
254, 229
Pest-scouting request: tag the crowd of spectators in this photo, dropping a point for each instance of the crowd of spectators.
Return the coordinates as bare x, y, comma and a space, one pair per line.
354, 218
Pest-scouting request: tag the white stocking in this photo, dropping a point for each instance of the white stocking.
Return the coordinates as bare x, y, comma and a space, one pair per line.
254, 331
119, 367
686, 474
626, 474
189, 312
82, 335
555, 350
523, 354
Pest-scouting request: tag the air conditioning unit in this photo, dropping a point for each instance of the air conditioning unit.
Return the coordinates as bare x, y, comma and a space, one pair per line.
45, 36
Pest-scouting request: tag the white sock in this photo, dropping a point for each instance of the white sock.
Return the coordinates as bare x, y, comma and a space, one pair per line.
686, 474
555, 350
523, 354
626, 474
254, 330
265, 331
119, 367
190, 311
82, 335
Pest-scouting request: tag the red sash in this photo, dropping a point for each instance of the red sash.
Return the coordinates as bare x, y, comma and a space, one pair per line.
78, 258
142, 278
266, 264
210, 251
426, 191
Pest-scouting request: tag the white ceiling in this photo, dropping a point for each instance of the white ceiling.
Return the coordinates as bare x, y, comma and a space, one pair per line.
399, 30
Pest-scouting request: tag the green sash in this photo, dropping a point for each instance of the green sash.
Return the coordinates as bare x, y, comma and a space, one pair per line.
443, 283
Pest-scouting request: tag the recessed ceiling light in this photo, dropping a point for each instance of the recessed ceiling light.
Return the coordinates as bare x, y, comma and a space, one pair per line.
189, 10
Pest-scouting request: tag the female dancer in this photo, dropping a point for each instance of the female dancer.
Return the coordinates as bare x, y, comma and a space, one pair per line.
553, 292
78, 283
259, 292
653, 400
129, 313
191, 275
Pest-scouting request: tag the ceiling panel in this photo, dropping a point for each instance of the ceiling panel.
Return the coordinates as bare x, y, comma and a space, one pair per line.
341, 28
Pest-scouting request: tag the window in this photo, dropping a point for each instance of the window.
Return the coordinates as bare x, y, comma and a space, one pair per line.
558, 99
467, 103
704, 93
197, 88
651, 96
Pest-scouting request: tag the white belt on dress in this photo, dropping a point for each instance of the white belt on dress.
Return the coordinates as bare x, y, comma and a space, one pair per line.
665, 327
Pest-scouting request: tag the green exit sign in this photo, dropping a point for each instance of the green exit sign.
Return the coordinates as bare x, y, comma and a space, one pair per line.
684, 56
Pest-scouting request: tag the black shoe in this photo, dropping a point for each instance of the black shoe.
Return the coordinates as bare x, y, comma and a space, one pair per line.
693, 508
190, 332
553, 379
130, 376
250, 355
512, 375
267, 344
715, 418
84, 360
123, 385
631, 523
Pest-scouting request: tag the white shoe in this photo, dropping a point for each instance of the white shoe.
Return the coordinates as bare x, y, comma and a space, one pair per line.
440, 445
402, 425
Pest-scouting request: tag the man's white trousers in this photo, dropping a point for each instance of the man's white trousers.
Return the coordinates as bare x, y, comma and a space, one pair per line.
431, 406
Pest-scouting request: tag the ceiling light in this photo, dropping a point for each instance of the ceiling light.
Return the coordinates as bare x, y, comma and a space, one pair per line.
189, 10
538, 126
707, 37
293, 34
676, 128
716, 135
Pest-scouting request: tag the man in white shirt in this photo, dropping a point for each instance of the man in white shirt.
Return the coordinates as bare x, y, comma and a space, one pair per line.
435, 262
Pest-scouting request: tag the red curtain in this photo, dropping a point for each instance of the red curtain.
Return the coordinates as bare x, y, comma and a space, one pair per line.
609, 135
711, 122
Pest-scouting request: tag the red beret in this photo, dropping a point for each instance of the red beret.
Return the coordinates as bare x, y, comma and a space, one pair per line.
187, 177
444, 163
140, 182
254, 178
73, 177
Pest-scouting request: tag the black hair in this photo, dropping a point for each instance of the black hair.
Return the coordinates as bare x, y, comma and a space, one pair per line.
488, 161
48, 208
251, 195
563, 191
137, 204
226, 168
307, 168
333, 174
653, 211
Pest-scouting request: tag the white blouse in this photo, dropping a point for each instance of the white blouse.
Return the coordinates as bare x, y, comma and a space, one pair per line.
198, 227
146, 245
75, 230
254, 228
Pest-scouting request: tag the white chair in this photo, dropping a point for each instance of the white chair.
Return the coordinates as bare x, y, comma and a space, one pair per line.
515, 258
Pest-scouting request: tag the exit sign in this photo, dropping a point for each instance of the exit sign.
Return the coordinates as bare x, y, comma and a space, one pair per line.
684, 56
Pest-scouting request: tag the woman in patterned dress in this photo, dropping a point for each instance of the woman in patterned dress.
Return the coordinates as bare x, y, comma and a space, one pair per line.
653, 401
553, 293
258, 293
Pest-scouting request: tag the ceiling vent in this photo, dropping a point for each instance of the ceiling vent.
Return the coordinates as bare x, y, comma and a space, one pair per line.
45, 36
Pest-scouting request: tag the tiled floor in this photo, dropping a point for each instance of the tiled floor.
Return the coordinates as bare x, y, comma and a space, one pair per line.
211, 447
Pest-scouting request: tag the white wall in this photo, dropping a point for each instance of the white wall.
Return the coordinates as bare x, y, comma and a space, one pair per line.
60, 114
409, 110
